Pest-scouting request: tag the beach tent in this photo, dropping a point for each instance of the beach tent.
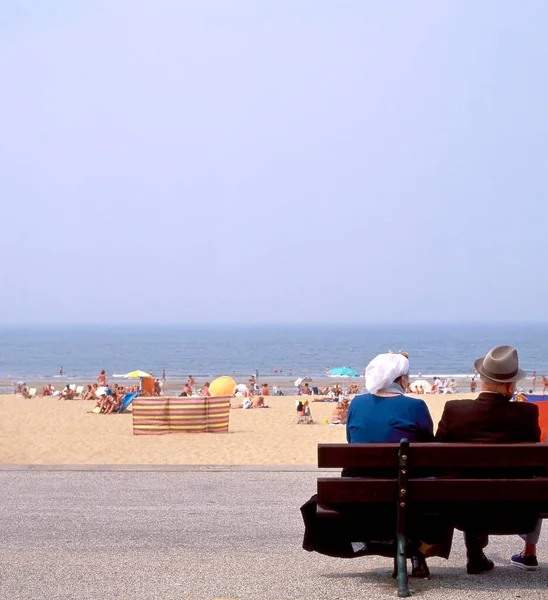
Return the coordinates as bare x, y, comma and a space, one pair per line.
147, 381
342, 372
137, 375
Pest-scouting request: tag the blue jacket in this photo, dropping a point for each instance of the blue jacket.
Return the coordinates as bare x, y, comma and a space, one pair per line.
374, 418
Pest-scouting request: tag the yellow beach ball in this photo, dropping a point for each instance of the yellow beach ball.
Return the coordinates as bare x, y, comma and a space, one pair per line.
326, 421
222, 386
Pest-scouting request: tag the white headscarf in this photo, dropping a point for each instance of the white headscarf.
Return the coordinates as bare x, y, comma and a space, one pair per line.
383, 370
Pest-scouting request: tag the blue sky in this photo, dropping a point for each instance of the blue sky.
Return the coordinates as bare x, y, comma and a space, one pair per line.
273, 161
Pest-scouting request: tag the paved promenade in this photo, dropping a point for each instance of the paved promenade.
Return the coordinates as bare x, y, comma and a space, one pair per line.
200, 534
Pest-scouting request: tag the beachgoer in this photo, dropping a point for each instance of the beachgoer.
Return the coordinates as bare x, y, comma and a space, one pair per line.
306, 390
102, 378
205, 391
265, 391
186, 391
383, 414
164, 375
437, 386
492, 418
453, 387
259, 403
544, 384
473, 385
157, 388
67, 393
336, 415
290, 372
534, 380
61, 371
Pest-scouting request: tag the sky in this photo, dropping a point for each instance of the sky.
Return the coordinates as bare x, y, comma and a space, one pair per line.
242, 161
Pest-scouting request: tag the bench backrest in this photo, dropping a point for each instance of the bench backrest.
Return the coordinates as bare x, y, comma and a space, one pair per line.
434, 456
442, 460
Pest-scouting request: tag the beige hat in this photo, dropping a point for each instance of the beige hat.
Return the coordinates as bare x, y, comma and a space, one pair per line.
501, 364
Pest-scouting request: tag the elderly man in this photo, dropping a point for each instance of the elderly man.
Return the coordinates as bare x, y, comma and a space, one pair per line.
491, 418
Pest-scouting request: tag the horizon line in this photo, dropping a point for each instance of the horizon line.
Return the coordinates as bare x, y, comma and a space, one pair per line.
420, 323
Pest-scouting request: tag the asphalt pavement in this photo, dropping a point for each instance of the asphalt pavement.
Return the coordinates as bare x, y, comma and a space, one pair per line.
201, 534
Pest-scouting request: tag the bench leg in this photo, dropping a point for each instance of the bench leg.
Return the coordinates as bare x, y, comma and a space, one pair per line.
401, 555
401, 563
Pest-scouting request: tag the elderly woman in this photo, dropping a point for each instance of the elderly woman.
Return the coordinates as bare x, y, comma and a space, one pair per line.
384, 414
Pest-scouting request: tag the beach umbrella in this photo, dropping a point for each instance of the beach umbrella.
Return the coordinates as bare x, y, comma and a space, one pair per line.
342, 372
137, 375
298, 381
222, 386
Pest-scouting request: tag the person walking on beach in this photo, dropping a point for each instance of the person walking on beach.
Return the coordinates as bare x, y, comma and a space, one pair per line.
473, 385
102, 378
164, 375
534, 380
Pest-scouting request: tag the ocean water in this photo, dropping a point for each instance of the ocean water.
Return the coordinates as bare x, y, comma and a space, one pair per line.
37, 353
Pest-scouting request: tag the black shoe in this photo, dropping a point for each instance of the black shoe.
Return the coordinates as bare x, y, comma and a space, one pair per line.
474, 567
419, 567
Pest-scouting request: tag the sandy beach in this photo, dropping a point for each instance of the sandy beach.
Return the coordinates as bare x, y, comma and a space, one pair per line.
52, 431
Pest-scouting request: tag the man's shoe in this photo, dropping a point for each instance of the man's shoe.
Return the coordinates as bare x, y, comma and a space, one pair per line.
527, 563
420, 569
474, 567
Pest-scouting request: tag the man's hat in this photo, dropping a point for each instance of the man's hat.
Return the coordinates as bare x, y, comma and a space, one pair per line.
501, 364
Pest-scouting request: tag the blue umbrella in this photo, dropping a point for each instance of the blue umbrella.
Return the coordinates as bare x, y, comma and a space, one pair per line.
342, 372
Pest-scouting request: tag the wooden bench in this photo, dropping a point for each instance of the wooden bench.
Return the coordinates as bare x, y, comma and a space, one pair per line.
407, 488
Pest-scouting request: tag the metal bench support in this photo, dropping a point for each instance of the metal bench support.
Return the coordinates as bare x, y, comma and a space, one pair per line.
401, 556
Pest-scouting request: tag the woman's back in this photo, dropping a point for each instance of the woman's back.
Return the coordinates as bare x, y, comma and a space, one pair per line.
374, 419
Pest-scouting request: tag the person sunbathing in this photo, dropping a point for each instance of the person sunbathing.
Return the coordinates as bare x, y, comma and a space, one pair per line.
101, 404
337, 415
113, 401
89, 394
68, 393
25, 392
265, 391
259, 403
246, 404
47, 390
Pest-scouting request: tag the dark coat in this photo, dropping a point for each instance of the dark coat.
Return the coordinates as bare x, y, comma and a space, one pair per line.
490, 419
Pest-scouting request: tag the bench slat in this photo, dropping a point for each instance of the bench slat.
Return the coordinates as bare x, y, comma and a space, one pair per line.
435, 455
343, 490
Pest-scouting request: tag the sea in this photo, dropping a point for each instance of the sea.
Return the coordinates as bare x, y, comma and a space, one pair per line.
207, 351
